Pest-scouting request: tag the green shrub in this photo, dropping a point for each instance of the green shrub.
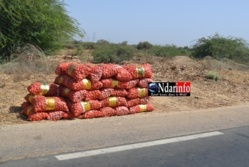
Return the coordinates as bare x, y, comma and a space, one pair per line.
212, 75
112, 54
169, 51
144, 45
220, 47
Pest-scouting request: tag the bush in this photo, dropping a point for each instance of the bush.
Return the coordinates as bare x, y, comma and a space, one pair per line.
220, 47
144, 45
212, 75
112, 54
44, 23
169, 51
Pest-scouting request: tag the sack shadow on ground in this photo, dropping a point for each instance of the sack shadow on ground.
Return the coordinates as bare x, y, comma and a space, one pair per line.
18, 110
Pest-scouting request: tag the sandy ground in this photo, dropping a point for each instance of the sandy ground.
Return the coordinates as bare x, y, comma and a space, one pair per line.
231, 88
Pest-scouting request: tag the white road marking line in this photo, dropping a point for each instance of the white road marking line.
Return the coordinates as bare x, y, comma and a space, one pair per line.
134, 146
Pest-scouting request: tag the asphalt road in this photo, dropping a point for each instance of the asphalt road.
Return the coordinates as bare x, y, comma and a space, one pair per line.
40, 144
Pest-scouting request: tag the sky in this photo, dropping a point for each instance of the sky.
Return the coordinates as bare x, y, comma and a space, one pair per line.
160, 22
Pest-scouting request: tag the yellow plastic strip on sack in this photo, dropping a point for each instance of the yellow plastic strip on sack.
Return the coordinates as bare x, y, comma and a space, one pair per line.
30, 108
66, 91
112, 101
140, 72
87, 84
86, 106
50, 104
143, 107
31, 97
44, 89
141, 92
70, 69
114, 83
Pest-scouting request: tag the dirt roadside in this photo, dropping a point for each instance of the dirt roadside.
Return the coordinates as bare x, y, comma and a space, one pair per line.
230, 89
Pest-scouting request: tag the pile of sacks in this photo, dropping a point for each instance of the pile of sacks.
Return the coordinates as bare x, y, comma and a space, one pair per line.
84, 90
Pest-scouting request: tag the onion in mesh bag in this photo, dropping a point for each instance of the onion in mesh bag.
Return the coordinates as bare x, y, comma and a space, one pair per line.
74, 96
122, 110
139, 71
108, 111
137, 101
81, 107
79, 71
143, 83
33, 116
114, 102
109, 70
29, 97
105, 93
92, 95
137, 93
96, 73
57, 115
91, 114
41, 104
62, 68
119, 93
123, 75
142, 108
84, 84
112, 83
28, 109
38, 88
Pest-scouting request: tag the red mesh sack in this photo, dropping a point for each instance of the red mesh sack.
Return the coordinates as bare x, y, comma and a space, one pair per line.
137, 101
142, 108
105, 93
119, 93
93, 95
38, 88
41, 104
29, 97
96, 73
143, 83
139, 71
112, 83
122, 110
109, 70
79, 71
84, 84
137, 93
33, 116
108, 111
57, 115
62, 68
91, 114
25, 104
78, 108
114, 102
74, 96
123, 75
27, 110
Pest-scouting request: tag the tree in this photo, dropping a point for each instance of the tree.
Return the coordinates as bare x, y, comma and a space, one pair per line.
44, 23
144, 45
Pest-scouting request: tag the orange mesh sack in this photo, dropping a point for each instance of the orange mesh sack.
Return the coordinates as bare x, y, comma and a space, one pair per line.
29, 97
137, 93
112, 83
96, 73
84, 84
27, 110
108, 111
38, 88
62, 68
74, 96
109, 70
137, 101
93, 95
142, 108
91, 114
119, 93
78, 108
123, 75
33, 116
122, 110
143, 83
105, 93
25, 104
57, 115
79, 71
114, 102
139, 71
41, 104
